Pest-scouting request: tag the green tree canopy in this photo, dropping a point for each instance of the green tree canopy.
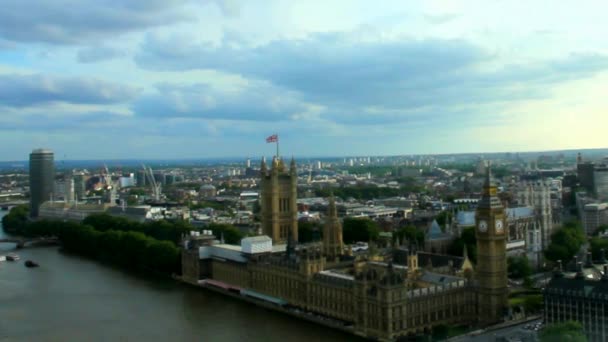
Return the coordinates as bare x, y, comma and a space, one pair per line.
232, 235
519, 267
309, 231
569, 331
359, 229
565, 242
16, 220
411, 234
468, 239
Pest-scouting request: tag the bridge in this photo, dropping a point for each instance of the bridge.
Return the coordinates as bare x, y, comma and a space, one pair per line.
21, 242
9, 204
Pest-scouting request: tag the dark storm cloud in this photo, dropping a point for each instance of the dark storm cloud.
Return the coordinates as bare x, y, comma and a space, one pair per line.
69, 21
334, 70
257, 102
31, 90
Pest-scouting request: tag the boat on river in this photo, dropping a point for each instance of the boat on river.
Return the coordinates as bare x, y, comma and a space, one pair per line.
12, 257
30, 263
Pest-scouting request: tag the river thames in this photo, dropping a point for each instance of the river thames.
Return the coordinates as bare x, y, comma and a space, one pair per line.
69, 298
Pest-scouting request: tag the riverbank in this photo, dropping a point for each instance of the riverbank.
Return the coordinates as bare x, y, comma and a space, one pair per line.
290, 311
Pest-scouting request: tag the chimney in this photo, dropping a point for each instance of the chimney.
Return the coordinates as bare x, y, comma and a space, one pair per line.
589, 261
558, 271
579, 271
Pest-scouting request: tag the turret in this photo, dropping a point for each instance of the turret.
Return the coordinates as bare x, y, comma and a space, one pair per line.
263, 168
292, 166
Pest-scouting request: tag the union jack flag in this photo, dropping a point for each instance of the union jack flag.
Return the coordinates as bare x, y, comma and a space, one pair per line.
272, 138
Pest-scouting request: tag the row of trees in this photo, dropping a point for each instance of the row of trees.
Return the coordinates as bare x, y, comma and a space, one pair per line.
159, 230
129, 249
104, 238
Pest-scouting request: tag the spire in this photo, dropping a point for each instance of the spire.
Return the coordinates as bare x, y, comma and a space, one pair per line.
489, 198
488, 183
331, 209
263, 168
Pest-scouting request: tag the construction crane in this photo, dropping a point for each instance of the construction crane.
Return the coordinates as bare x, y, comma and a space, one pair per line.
156, 188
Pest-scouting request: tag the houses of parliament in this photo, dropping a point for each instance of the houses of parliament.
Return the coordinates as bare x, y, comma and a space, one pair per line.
385, 296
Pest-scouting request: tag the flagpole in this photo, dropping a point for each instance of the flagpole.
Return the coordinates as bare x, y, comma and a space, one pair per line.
277, 145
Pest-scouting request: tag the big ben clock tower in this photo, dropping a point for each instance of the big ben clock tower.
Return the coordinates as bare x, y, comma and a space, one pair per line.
491, 269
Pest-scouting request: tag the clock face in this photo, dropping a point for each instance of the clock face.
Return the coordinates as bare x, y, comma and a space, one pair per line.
499, 226
483, 226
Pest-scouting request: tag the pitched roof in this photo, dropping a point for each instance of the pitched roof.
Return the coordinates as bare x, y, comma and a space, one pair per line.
435, 232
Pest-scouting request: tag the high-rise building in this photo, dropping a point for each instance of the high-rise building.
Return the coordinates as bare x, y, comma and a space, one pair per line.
491, 267
584, 172
42, 178
278, 201
79, 186
600, 181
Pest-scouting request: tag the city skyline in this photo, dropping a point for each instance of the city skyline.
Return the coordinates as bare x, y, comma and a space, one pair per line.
214, 79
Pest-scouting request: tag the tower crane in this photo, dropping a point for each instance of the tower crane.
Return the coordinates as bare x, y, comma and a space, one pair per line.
156, 188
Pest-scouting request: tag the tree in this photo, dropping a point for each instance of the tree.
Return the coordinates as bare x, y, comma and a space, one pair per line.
232, 235
566, 331
600, 229
359, 229
411, 234
16, 220
565, 242
519, 267
468, 239
443, 218
308, 232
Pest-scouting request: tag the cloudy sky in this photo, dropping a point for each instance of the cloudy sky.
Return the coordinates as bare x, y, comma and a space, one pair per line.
209, 78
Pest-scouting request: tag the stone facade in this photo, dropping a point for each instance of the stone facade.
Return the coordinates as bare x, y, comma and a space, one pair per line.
491, 269
380, 298
279, 201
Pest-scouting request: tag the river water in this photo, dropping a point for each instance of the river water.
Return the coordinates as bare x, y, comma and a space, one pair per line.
69, 298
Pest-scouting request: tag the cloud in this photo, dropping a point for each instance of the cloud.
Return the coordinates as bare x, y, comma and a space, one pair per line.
98, 54
252, 102
376, 80
73, 22
30, 90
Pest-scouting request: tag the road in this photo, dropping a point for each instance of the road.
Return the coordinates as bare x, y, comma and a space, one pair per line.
511, 334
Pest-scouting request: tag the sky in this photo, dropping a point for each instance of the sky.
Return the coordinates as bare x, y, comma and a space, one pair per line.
172, 79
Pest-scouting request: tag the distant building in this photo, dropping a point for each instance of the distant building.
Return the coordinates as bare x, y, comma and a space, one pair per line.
140, 178
594, 215
584, 171
600, 182
207, 191
64, 189
70, 211
537, 194
436, 240
80, 186
42, 178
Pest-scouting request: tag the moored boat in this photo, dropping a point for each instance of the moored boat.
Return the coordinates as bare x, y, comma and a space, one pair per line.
30, 263
12, 257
